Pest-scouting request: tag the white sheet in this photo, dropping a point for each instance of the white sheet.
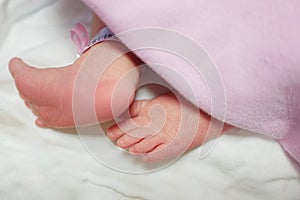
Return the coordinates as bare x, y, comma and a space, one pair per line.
49, 164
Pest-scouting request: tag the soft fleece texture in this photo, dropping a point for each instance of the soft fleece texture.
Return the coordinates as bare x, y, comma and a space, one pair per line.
253, 41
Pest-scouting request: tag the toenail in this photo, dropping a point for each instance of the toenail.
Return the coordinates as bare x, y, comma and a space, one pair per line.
40, 123
120, 142
109, 132
131, 150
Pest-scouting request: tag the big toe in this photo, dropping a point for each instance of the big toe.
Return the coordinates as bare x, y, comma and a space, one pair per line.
18, 67
14, 65
24, 76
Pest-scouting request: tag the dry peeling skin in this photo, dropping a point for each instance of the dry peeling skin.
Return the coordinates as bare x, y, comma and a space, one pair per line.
49, 164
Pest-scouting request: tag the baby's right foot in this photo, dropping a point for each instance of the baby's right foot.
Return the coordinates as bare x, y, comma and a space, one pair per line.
166, 132
48, 92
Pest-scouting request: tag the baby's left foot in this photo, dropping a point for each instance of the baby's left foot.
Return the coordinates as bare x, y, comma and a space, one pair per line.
49, 92
161, 128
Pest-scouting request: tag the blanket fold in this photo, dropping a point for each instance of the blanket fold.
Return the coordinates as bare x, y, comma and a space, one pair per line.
255, 47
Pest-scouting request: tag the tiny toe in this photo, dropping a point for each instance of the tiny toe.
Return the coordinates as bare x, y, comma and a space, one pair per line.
40, 123
127, 141
118, 130
27, 104
165, 151
135, 107
114, 132
159, 153
146, 145
154, 157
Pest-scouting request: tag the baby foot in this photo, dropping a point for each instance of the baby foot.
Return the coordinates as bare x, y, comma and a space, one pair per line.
173, 136
48, 92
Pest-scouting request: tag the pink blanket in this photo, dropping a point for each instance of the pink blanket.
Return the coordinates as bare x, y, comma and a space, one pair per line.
255, 47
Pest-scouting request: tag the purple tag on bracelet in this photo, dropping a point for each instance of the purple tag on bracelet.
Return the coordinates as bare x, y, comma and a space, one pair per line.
80, 37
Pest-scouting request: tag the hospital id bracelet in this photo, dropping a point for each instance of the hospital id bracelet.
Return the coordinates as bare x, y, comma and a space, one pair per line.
80, 37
